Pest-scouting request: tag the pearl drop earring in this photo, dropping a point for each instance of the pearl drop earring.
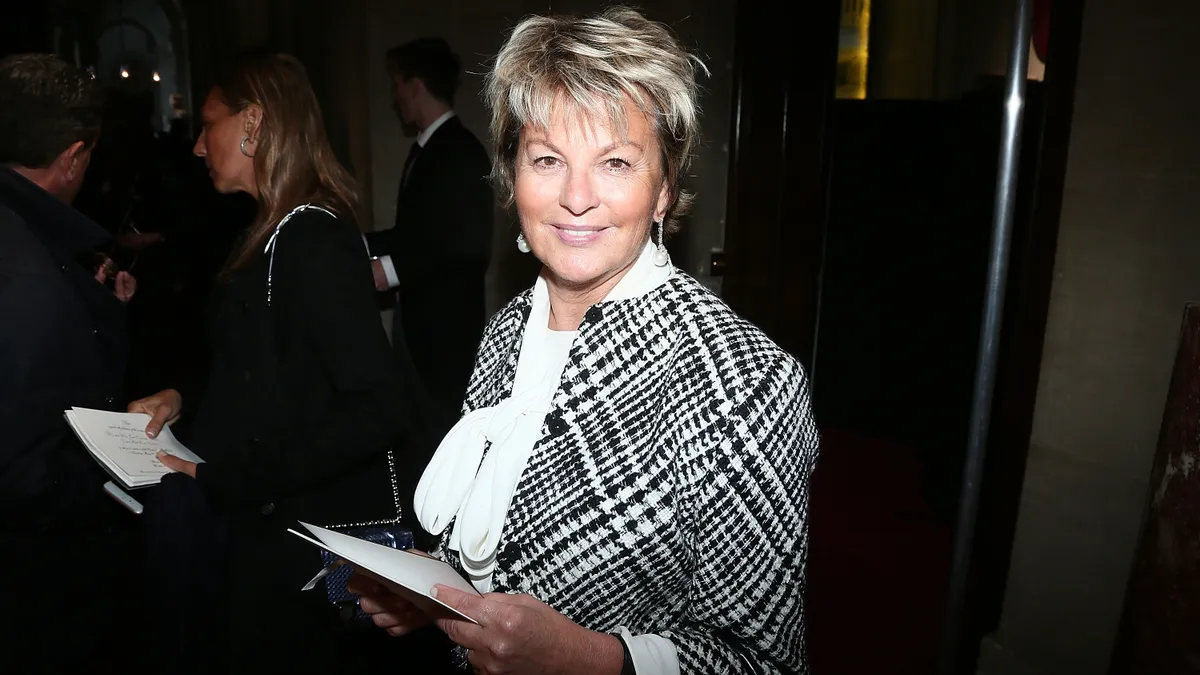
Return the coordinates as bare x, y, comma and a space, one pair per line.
522, 245
661, 258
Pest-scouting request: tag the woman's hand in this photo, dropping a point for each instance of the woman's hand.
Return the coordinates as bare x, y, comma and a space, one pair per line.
519, 634
175, 464
163, 408
389, 611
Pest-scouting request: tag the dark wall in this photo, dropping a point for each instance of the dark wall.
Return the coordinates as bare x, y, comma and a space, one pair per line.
902, 280
25, 27
911, 197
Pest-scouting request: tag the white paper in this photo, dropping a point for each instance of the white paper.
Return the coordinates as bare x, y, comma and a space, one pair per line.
119, 442
410, 575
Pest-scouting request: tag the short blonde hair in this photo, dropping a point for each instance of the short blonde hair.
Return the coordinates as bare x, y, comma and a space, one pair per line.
592, 65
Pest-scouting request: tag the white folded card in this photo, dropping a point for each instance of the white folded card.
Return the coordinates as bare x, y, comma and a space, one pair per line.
409, 575
119, 442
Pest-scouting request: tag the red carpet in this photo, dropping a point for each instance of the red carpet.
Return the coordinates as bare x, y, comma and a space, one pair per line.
878, 561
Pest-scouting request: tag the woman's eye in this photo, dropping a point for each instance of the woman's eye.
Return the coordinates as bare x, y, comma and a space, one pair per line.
545, 162
616, 163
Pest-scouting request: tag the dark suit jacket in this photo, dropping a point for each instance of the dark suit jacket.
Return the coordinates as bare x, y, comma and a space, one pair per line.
63, 343
301, 406
440, 246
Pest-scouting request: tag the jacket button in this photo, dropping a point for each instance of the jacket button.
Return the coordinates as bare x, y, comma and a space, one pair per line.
254, 441
594, 314
110, 400
267, 509
556, 425
509, 553
95, 332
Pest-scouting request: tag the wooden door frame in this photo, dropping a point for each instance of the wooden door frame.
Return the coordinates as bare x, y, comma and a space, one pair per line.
783, 89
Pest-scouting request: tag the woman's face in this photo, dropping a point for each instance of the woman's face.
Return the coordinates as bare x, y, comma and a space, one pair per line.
587, 197
220, 144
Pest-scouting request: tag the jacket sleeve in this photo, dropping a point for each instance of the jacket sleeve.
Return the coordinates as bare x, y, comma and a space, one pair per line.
747, 503
383, 242
330, 303
47, 480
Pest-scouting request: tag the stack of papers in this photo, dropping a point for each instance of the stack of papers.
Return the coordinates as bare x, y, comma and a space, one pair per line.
119, 442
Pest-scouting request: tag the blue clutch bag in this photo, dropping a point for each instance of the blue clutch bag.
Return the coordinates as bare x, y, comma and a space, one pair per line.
392, 536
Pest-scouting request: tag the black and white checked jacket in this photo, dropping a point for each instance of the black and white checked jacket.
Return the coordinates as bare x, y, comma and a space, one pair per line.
669, 491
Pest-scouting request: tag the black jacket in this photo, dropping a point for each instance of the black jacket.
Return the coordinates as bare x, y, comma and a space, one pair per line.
63, 343
301, 405
440, 246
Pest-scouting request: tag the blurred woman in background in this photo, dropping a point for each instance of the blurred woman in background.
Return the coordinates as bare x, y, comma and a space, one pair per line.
301, 404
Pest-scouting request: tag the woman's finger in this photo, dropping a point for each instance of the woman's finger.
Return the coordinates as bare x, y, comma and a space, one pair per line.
172, 462
161, 415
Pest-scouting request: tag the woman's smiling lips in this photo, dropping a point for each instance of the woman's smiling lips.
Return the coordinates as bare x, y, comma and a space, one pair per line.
578, 235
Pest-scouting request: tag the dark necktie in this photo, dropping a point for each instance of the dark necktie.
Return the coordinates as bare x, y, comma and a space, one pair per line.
412, 157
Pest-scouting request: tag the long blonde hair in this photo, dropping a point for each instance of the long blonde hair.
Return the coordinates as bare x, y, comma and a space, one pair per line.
293, 161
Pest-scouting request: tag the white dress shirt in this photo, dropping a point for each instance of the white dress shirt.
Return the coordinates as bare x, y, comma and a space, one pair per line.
389, 268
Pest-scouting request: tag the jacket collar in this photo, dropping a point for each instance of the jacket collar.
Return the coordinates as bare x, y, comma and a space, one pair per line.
429, 131
57, 224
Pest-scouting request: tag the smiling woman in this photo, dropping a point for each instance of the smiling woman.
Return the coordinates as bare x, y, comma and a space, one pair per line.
629, 484
586, 194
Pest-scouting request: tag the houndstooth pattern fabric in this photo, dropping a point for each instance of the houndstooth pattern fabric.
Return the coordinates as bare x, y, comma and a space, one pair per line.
669, 491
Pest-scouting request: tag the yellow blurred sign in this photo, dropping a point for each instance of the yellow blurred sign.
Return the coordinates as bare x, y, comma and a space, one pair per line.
852, 49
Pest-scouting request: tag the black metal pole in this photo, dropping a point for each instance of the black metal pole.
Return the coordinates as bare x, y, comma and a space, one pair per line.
989, 338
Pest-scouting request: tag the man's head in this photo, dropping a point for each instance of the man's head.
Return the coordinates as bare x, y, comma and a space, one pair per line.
425, 75
50, 114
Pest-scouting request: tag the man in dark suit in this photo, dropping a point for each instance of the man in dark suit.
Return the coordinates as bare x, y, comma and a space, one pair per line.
63, 343
435, 256
437, 253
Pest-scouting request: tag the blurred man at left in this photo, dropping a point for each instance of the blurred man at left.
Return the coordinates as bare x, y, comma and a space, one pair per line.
67, 551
